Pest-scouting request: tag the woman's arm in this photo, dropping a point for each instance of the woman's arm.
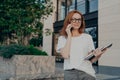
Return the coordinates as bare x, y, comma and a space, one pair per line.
95, 59
66, 49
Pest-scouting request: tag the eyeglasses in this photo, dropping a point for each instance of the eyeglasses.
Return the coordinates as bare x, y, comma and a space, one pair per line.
76, 20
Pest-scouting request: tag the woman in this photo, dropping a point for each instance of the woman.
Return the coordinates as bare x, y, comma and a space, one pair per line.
74, 45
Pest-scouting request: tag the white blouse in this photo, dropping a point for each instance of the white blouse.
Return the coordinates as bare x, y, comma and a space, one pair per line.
80, 46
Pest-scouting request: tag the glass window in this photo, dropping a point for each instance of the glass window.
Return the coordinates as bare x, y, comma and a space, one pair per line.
93, 6
61, 13
71, 5
93, 32
61, 6
61, 10
81, 6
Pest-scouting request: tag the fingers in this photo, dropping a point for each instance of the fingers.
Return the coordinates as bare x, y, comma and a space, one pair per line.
68, 30
69, 27
104, 50
97, 52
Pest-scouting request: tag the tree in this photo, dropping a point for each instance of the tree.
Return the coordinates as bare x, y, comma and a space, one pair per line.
22, 18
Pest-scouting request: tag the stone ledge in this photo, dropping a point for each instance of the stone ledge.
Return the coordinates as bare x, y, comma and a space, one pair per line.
58, 75
30, 68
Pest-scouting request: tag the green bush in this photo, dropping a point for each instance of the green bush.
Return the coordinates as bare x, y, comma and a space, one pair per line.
36, 41
15, 49
35, 51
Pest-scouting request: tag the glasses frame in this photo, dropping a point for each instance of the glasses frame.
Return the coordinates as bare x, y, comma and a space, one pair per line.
76, 20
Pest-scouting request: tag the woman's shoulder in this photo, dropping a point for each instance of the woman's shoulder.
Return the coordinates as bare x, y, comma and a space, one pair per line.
87, 35
61, 37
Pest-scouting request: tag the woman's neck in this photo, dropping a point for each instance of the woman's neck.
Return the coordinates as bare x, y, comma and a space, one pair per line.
75, 33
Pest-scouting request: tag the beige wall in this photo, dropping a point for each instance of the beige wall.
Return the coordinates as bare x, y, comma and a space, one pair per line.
109, 31
48, 24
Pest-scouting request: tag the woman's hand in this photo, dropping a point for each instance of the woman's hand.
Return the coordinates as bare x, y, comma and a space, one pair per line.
98, 52
68, 30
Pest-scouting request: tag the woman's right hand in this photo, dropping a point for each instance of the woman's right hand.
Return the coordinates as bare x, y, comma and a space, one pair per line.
68, 30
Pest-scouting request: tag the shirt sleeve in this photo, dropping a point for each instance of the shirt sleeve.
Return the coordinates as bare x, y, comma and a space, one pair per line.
91, 45
61, 43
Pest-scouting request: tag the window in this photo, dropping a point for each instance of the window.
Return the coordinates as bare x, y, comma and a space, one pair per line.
93, 5
71, 6
81, 6
93, 32
62, 6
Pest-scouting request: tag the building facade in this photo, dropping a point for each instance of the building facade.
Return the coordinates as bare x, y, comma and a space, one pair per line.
102, 22
108, 31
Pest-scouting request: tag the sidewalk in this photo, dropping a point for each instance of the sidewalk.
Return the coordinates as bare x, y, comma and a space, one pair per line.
108, 73
103, 72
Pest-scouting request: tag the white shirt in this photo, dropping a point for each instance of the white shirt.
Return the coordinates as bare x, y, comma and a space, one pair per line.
80, 46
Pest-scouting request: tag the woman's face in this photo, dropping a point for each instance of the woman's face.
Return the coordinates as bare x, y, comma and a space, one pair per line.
76, 21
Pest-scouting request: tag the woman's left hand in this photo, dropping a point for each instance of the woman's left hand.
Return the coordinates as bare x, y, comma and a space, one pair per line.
98, 52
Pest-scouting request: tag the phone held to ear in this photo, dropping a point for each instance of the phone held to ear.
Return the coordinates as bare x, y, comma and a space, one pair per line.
91, 55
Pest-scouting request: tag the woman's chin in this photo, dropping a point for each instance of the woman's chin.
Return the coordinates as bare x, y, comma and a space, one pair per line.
76, 27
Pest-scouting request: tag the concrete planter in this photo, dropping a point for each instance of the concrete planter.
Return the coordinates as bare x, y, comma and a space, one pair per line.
26, 65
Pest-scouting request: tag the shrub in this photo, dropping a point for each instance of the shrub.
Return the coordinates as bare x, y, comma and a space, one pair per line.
36, 41
15, 49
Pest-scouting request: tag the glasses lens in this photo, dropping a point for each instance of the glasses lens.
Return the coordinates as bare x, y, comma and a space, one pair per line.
73, 20
76, 20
